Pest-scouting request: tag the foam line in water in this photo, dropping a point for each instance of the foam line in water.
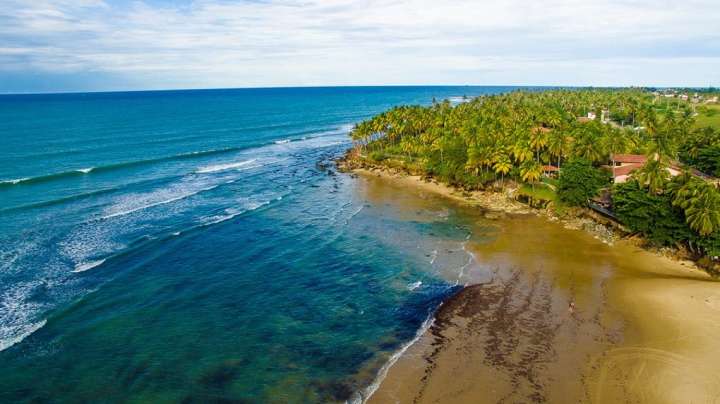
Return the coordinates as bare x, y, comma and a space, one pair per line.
15, 181
222, 167
414, 285
231, 214
150, 205
364, 395
25, 332
85, 266
115, 166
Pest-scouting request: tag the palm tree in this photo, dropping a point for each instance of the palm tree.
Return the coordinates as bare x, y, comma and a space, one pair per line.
586, 144
538, 140
521, 151
530, 171
502, 166
653, 175
615, 142
700, 201
703, 212
557, 144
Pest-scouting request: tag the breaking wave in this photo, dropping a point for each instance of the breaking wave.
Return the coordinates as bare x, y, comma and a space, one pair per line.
25, 332
222, 167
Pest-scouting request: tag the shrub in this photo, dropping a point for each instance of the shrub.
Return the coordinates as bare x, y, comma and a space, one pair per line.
708, 160
580, 181
377, 156
650, 214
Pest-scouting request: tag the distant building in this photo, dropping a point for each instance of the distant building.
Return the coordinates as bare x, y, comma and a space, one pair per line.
591, 115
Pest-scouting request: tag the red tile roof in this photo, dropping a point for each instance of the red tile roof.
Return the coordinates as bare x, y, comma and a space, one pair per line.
550, 169
628, 158
626, 169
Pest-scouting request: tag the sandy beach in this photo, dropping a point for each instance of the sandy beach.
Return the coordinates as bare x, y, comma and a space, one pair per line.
565, 317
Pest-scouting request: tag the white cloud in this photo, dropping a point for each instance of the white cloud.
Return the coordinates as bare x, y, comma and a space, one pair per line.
219, 43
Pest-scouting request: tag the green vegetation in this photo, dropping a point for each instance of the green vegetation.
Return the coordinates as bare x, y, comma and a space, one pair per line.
651, 214
708, 116
580, 181
686, 212
498, 141
702, 150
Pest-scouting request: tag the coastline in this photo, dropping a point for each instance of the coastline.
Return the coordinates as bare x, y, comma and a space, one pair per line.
648, 318
499, 205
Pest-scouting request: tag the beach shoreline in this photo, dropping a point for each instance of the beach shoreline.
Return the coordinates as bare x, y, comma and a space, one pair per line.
650, 316
500, 204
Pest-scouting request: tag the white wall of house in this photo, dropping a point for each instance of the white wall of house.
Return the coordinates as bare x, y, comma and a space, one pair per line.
621, 178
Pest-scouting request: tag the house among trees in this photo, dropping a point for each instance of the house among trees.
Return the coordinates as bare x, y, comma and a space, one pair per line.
625, 164
550, 171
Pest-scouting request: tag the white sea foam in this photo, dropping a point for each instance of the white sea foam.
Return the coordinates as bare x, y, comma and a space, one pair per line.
414, 285
85, 170
283, 141
222, 167
364, 395
221, 218
15, 181
162, 202
23, 333
434, 256
470, 260
231, 213
84, 266
17, 314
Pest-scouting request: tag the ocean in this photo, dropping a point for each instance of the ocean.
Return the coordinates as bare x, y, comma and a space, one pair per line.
200, 246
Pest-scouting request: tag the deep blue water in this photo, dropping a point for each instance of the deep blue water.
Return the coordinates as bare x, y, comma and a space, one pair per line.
199, 246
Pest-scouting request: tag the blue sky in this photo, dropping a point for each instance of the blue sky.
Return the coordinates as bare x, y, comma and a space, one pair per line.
94, 45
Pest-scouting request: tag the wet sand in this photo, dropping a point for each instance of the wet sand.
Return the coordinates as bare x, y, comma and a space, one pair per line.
564, 318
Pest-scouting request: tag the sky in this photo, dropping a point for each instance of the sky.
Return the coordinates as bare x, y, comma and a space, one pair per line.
107, 45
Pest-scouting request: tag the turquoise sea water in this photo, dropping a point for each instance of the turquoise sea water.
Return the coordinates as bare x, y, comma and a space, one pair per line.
199, 246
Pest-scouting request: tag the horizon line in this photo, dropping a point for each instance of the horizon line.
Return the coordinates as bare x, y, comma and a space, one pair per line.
348, 86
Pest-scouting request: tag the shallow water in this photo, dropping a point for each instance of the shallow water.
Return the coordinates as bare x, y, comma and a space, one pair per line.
199, 246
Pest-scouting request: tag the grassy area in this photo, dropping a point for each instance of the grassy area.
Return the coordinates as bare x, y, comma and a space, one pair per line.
539, 192
543, 192
708, 115
553, 182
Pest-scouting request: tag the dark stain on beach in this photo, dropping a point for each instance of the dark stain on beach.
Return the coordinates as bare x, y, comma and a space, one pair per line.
514, 327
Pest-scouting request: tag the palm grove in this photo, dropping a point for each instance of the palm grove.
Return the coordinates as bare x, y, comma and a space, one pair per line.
489, 140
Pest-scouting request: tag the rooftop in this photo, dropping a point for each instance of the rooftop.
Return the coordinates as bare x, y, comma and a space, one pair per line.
628, 158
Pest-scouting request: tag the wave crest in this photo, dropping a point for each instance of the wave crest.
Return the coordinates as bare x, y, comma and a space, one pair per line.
222, 167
